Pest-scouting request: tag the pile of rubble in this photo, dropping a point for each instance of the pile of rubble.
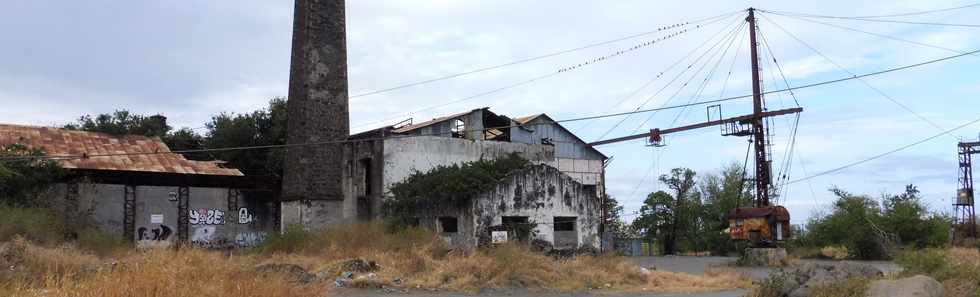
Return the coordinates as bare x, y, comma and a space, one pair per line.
798, 281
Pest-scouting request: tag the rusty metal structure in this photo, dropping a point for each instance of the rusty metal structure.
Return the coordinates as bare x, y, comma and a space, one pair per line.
776, 217
964, 214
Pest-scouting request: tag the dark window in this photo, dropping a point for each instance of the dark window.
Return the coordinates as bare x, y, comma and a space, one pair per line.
518, 228
365, 165
565, 223
449, 224
590, 189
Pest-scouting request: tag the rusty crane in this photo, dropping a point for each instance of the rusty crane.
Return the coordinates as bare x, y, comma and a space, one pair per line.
763, 224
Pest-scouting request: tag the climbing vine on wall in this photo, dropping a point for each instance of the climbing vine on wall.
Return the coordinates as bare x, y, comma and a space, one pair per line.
450, 185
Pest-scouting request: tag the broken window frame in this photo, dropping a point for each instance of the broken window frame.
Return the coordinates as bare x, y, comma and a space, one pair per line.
560, 224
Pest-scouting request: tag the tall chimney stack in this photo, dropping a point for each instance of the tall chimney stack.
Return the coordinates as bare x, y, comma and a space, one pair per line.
312, 191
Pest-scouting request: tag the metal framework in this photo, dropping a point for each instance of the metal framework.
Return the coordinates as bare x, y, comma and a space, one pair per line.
745, 125
964, 214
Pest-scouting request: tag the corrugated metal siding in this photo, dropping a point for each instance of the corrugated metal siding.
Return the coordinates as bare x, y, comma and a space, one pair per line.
566, 145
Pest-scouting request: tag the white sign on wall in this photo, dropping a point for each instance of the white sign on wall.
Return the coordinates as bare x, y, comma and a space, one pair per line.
156, 219
498, 236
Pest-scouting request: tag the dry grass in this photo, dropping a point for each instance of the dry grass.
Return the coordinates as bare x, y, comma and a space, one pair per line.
417, 259
67, 272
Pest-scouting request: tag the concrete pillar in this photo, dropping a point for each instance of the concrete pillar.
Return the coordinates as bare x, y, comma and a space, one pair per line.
318, 112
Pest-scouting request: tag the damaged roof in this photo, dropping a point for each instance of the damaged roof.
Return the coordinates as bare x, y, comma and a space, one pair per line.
131, 152
412, 127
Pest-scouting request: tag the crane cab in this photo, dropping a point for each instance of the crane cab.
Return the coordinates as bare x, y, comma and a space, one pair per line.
762, 226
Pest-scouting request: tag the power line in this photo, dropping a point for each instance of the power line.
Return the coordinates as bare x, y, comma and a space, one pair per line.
669, 68
852, 164
531, 80
870, 19
864, 82
888, 15
535, 58
512, 126
873, 34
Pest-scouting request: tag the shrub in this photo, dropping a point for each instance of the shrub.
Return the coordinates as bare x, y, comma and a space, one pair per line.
100, 242
852, 287
34, 224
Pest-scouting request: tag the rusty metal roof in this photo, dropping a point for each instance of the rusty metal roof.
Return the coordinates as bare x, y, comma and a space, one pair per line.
144, 153
778, 211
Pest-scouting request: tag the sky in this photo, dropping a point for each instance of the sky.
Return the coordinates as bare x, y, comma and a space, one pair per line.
192, 59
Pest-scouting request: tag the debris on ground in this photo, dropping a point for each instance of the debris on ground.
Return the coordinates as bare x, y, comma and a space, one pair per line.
344, 279
359, 265
918, 286
292, 271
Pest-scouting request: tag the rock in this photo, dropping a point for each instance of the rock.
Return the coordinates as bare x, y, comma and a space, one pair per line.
397, 281
789, 285
644, 271
767, 257
916, 286
294, 272
359, 265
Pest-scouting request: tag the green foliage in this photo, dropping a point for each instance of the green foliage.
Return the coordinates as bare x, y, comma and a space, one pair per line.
261, 127
769, 287
24, 182
870, 231
34, 224
721, 193
851, 287
614, 223
450, 185
100, 242
123, 122
941, 265
292, 240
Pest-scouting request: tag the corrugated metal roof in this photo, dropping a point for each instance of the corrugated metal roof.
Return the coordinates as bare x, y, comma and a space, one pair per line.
408, 128
146, 153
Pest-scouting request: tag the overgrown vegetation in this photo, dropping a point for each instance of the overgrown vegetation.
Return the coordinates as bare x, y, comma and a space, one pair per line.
957, 268
26, 177
408, 258
451, 185
860, 228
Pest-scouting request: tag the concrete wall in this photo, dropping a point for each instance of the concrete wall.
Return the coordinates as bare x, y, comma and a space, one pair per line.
214, 220
403, 156
541, 193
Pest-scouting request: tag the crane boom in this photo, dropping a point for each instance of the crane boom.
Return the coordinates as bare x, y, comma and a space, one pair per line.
654, 133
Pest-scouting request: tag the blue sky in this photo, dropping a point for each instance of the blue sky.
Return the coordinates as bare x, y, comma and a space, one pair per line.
192, 59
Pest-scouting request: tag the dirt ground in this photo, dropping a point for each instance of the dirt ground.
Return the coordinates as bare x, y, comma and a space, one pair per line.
692, 265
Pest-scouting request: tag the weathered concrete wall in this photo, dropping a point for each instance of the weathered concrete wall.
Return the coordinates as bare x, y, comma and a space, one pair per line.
314, 214
403, 156
214, 220
541, 193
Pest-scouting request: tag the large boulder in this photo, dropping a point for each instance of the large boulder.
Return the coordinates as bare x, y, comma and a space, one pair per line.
797, 281
916, 286
766, 257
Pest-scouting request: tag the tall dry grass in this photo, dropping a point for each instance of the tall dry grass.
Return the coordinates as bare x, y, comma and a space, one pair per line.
419, 259
43, 271
415, 258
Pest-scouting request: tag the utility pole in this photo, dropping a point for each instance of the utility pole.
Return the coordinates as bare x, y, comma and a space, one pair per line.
964, 215
752, 125
763, 177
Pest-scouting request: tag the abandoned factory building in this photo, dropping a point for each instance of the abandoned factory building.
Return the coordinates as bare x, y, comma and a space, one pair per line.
559, 194
134, 187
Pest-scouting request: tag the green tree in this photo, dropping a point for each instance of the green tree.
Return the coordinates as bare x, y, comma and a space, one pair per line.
656, 220
855, 222
613, 222
122, 122
908, 218
25, 177
261, 127
721, 193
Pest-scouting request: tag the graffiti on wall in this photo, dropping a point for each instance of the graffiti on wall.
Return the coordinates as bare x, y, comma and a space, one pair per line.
249, 239
245, 216
153, 238
207, 216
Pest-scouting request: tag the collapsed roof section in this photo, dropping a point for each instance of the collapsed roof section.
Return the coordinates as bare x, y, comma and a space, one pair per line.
482, 124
